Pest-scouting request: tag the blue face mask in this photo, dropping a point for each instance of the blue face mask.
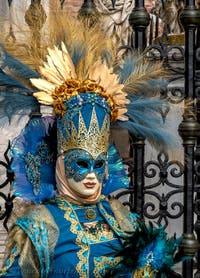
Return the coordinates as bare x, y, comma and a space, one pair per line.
79, 163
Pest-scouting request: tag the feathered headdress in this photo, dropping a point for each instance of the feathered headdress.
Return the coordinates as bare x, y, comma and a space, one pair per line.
79, 76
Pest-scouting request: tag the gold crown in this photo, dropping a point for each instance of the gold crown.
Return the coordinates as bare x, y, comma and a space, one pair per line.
93, 140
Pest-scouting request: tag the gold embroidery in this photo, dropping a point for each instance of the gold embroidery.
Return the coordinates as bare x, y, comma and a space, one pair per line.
101, 264
111, 219
10, 260
20, 243
94, 140
75, 227
83, 238
124, 218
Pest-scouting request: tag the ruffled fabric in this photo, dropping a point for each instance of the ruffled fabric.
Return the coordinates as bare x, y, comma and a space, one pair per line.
33, 161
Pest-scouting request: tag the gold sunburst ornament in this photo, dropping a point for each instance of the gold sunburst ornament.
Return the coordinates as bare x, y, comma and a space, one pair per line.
60, 82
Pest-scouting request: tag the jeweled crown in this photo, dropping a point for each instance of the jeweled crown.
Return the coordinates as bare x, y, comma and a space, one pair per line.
86, 127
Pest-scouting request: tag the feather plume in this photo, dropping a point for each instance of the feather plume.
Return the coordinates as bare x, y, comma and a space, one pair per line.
15, 88
50, 75
10, 82
106, 78
127, 68
15, 67
145, 74
43, 85
12, 103
67, 60
43, 98
62, 67
71, 49
149, 246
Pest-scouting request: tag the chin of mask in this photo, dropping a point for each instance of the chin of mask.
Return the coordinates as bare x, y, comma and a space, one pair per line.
84, 173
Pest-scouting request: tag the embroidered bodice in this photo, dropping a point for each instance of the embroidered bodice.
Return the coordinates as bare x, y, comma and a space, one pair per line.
88, 241
85, 245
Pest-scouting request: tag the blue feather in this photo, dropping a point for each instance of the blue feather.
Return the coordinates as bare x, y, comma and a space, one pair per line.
16, 67
12, 103
145, 121
27, 143
155, 134
106, 56
127, 68
146, 89
158, 84
6, 80
15, 96
144, 110
78, 54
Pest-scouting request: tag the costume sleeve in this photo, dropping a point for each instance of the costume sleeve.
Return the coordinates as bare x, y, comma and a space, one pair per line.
30, 244
11, 266
22, 260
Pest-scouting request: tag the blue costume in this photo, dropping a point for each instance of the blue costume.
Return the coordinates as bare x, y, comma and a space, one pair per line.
65, 166
79, 250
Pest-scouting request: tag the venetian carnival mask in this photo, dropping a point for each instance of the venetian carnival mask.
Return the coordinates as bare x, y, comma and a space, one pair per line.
84, 173
79, 163
83, 142
84, 108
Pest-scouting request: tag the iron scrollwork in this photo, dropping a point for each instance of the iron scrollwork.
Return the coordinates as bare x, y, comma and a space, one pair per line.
165, 170
173, 61
8, 200
170, 54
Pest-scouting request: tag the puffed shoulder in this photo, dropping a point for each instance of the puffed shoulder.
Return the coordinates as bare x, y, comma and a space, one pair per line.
33, 237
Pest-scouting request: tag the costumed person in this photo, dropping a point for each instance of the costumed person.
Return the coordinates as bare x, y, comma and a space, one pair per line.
65, 167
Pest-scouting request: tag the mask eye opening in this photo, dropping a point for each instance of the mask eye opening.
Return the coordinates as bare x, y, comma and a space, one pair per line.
99, 164
82, 164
